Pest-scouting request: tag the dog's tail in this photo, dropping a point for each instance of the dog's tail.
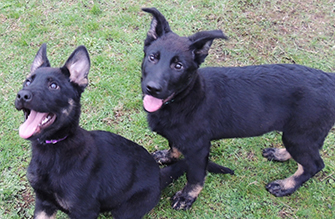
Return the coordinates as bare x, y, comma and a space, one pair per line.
216, 168
172, 172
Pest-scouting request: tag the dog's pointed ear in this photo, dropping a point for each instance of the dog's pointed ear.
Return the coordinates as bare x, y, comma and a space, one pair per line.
78, 65
202, 41
158, 27
41, 59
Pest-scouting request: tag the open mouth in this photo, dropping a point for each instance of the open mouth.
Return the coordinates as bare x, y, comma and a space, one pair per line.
35, 122
152, 104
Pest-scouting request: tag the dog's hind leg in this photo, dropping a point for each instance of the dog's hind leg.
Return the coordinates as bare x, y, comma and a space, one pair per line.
139, 204
276, 154
306, 153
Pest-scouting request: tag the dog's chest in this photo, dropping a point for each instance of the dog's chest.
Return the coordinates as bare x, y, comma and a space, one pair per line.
42, 182
175, 127
162, 123
64, 203
38, 178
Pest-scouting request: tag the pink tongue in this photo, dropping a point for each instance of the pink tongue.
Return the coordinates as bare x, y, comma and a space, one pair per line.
31, 125
152, 104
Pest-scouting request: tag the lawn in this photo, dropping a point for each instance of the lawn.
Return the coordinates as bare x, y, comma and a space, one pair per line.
260, 32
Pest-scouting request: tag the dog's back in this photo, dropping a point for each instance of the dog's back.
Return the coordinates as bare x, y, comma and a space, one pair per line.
123, 171
263, 98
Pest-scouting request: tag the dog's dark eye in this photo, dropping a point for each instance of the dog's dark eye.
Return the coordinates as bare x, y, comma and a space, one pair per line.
27, 83
152, 58
53, 86
177, 65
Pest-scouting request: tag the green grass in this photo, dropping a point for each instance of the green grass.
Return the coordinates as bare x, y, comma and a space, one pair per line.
260, 32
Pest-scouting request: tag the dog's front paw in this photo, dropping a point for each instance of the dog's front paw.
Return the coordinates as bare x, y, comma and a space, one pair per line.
182, 201
163, 157
277, 188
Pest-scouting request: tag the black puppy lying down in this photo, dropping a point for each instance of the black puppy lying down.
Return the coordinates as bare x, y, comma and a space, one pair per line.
190, 106
82, 172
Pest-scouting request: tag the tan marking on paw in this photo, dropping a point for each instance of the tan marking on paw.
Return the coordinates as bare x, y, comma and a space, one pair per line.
175, 153
43, 215
290, 182
282, 154
195, 191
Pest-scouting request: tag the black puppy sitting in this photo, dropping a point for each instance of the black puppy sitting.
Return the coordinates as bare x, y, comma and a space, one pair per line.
190, 106
79, 172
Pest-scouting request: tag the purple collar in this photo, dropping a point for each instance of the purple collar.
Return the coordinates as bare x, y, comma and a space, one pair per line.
54, 141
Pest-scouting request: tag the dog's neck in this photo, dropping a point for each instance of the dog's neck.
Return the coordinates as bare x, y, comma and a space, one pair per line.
194, 84
57, 137
54, 141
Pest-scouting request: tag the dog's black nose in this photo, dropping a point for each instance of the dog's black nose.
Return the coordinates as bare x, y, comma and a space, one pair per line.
24, 95
153, 88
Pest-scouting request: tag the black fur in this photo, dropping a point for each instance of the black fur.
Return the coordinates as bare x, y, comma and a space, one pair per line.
82, 172
191, 106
